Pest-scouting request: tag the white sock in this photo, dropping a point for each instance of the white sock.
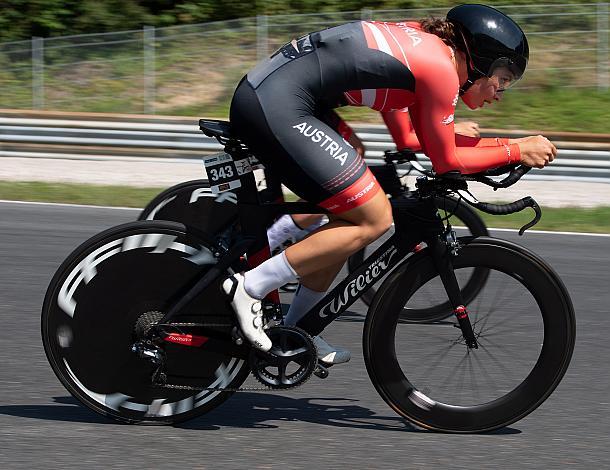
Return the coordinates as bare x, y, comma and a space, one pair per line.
283, 229
268, 276
303, 300
321, 221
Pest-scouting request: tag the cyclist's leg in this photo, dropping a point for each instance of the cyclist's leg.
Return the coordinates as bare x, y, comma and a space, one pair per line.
305, 221
283, 232
319, 257
315, 163
324, 252
320, 167
296, 226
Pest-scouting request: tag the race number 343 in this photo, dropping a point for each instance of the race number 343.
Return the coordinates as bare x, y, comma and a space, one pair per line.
220, 173
223, 172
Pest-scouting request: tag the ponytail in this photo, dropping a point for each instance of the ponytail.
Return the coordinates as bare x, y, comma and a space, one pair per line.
441, 28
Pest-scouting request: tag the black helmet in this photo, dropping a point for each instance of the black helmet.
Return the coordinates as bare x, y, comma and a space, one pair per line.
490, 40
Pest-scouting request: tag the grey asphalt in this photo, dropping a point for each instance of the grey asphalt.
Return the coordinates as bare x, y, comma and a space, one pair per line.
337, 423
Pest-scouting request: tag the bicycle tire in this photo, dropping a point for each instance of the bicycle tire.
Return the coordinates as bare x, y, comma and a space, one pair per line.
193, 204
475, 225
91, 308
506, 399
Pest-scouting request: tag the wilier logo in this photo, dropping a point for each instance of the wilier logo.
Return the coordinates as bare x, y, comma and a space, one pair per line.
353, 289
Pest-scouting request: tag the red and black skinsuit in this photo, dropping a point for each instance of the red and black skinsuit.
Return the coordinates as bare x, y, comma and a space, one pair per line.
279, 108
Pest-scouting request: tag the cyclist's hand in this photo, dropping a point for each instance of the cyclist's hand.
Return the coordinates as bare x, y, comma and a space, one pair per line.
467, 128
537, 151
355, 142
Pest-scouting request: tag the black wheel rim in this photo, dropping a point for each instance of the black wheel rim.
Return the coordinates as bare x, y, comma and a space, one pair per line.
89, 325
426, 373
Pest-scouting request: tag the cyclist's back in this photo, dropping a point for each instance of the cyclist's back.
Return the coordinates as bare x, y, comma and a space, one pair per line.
378, 64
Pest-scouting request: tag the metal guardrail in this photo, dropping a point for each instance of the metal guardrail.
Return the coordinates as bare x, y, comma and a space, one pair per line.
92, 136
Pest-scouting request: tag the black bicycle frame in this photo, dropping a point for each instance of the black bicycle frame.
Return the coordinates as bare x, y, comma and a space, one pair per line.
416, 219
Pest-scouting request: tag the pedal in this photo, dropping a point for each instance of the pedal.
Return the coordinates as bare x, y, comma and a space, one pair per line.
321, 371
237, 336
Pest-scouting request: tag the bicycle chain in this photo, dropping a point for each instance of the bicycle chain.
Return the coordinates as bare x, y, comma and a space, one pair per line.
218, 389
170, 325
221, 389
212, 389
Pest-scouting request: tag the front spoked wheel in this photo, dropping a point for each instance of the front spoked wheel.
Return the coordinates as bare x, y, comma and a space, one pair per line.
524, 323
105, 298
463, 217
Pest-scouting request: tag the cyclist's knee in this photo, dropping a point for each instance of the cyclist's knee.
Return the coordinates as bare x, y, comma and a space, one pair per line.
381, 223
373, 219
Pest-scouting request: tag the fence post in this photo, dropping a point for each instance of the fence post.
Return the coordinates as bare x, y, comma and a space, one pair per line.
262, 38
602, 47
149, 69
37, 73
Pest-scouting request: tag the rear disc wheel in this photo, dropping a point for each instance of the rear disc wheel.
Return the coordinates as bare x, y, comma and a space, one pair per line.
107, 294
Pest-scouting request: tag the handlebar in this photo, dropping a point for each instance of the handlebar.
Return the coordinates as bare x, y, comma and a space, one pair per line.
511, 208
515, 174
516, 171
399, 156
454, 181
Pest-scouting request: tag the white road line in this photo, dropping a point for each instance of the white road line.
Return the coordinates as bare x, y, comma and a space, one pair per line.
59, 204
550, 232
545, 232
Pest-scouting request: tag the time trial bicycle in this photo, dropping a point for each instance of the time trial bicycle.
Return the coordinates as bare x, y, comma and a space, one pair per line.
193, 203
136, 327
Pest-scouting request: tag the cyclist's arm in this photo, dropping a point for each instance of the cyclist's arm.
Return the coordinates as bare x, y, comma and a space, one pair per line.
465, 141
404, 136
337, 123
432, 116
401, 129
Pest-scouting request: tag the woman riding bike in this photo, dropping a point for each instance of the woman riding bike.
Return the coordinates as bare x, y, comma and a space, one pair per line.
476, 53
292, 227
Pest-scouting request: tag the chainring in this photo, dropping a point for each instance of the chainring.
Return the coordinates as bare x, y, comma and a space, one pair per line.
289, 363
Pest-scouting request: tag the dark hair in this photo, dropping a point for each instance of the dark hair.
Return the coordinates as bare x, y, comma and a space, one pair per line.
441, 28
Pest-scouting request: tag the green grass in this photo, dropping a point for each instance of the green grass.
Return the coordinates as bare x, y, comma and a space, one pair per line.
572, 219
124, 196
545, 109
568, 219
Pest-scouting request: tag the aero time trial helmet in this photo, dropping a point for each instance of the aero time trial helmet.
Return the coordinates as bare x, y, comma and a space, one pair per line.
491, 42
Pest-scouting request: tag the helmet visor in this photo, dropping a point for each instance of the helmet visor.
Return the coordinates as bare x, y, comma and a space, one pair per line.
505, 72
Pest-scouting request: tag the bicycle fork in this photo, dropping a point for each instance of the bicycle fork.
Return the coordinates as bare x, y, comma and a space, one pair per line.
441, 257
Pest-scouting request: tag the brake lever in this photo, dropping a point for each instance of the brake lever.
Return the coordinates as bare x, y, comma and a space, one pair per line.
534, 205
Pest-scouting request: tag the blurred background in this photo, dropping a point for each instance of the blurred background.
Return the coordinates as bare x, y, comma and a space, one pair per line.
185, 57
99, 103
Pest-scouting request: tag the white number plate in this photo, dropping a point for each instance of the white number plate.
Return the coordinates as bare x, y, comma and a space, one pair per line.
224, 173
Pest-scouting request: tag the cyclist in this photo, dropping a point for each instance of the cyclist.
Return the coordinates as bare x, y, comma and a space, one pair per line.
476, 53
287, 229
